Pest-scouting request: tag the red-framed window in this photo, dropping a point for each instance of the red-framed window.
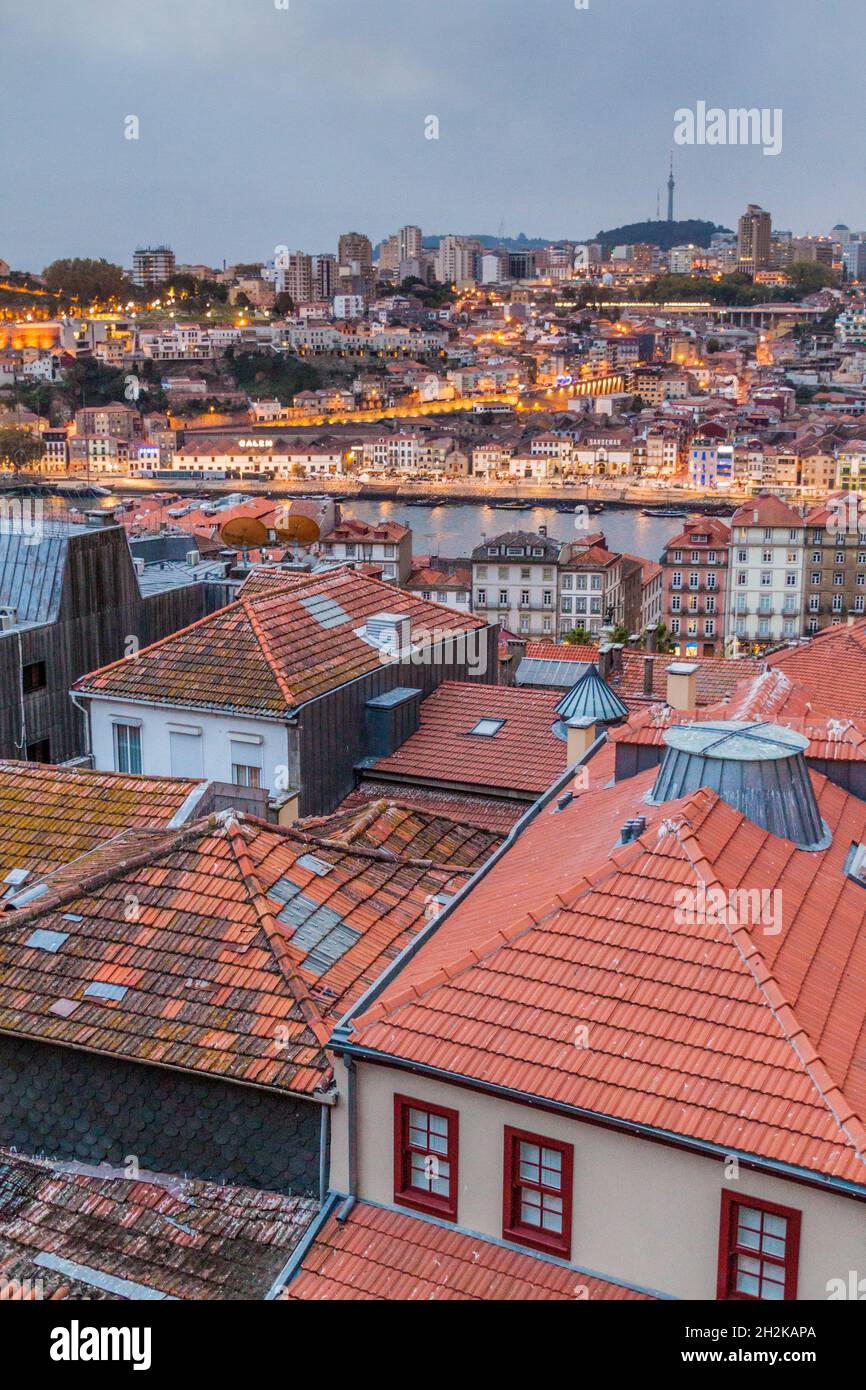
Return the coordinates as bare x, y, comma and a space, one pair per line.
537, 1192
425, 1157
759, 1249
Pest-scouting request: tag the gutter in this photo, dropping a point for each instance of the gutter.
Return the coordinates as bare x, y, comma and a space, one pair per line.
776, 1168
228, 711
324, 1150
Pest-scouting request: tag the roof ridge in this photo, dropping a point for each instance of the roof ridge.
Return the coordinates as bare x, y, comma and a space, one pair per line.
845, 1116
151, 855
276, 938
264, 644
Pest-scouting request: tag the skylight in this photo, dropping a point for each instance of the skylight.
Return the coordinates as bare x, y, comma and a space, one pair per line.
486, 728
26, 896
326, 611
315, 866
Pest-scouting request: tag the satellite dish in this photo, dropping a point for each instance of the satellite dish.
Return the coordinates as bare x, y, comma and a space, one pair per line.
296, 526
244, 532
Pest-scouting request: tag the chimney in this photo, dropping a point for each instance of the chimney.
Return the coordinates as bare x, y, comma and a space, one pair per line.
649, 666
682, 691
581, 737
287, 810
651, 638
542, 530
605, 660
616, 664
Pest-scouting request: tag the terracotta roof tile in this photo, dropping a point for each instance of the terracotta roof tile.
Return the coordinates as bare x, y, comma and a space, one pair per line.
283, 645
52, 815
236, 953
181, 1238
406, 830
831, 669
695, 1027
524, 755
376, 1253
488, 813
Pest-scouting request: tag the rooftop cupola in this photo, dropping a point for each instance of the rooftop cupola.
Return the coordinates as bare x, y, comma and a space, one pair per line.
758, 768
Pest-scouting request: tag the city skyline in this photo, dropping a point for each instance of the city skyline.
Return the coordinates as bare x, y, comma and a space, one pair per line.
291, 125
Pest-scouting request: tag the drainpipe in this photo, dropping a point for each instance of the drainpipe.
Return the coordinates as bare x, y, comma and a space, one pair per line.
85, 714
352, 1103
324, 1152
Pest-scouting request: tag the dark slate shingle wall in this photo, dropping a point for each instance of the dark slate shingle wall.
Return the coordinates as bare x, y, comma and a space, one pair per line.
73, 1105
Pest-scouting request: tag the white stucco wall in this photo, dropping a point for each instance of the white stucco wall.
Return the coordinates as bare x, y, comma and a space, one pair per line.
643, 1213
157, 721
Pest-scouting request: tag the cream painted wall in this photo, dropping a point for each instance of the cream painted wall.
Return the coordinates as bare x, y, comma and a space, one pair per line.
643, 1213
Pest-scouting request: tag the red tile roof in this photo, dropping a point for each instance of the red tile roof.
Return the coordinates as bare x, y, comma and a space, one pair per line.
390, 1256
406, 830
181, 1238
429, 578
216, 979
712, 526
591, 557
523, 756
487, 812
770, 695
51, 815
717, 677
352, 529
561, 651
724, 1034
831, 668
283, 647
766, 511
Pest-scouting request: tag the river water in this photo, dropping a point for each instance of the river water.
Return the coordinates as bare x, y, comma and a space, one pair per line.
454, 531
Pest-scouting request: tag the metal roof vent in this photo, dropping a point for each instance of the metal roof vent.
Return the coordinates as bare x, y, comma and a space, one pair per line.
391, 632
758, 768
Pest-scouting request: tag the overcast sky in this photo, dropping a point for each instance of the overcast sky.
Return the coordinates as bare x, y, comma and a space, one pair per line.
260, 126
